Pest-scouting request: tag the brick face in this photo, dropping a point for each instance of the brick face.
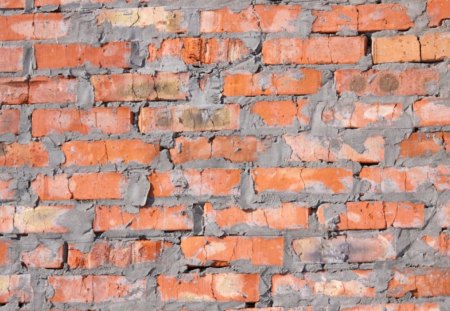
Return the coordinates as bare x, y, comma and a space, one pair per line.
224, 155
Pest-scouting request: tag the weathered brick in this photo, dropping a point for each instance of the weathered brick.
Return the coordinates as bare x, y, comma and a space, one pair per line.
371, 215
189, 118
11, 58
222, 251
95, 288
15, 288
429, 282
116, 254
150, 218
61, 121
421, 144
12, 4
4, 252
310, 148
44, 257
9, 121
319, 50
376, 247
82, 153
264, 18
210, 287
440, 243
196, 51
42, 219
210, 181
309, 180
435, 46
288, 216
387, 82
110, 55
163, 20
40, 26
290, 82
432, 112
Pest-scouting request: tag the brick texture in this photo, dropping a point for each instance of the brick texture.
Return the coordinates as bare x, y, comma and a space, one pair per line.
225, 155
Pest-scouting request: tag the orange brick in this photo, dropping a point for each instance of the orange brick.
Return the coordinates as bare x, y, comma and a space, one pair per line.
33, 154
387, 82
288, 216
431, 282
61, 121
310, 180
431, 112
290, 82
223, 251
421, 144
199, 50
210, 181
276, 113
109, 151
396, 49
110, 55
189, 118
11, 58
174, 218
4, 252
265, 18
339, 17
210, 287
319, 50
12, 4
437, 11
435, 46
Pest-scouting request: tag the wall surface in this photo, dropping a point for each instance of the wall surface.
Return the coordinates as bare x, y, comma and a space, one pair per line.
225, 155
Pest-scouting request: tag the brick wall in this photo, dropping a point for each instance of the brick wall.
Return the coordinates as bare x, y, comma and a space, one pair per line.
224, 155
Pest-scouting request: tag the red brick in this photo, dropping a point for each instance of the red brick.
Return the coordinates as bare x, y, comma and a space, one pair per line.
440, 243
42, 219
288, 216
109, 151
33, 27
11, 58
95, 288
387, 16
397, 180
210, 181
360, 115
33, 154
13, 91
432, 112
214, 251
15, 288
139, 87
116, 254
421, 144
377, 247
210, 287
109, 55
12, 4
310, 180
9, 121
150, 218
362, 18
437, 11
199, 50
158, 17
387, 82
323, 284
81, 186
7, 193
231, 148
265, 18
43, 257
290, 82
189, 118
318, 50
396, 49
430, 282
61, 121
371, 215
309, 148
4, 251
